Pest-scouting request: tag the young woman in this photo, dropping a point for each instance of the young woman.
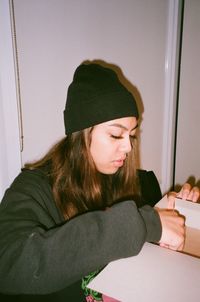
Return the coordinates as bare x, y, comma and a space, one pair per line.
69, 214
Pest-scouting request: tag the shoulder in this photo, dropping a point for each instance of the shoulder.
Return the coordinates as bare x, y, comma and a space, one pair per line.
29, 184
27, 177
30, 194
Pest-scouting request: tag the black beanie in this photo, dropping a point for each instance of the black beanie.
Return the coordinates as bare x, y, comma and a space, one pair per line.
96, 96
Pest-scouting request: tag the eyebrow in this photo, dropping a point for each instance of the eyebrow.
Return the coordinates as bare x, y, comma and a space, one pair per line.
122, 127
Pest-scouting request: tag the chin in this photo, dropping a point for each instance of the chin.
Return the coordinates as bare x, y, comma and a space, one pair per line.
109, 172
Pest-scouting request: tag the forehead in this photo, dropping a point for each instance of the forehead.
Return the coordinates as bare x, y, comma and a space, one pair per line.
125, 123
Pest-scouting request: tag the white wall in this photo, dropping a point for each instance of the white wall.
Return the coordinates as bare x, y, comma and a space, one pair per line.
10, 158
139, 36
188, 136
53, 37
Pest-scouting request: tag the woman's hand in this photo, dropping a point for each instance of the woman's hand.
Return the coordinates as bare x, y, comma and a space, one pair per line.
173, 224
173, 229
186, 192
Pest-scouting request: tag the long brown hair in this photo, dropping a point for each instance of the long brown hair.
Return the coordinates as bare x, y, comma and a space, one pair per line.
77, 185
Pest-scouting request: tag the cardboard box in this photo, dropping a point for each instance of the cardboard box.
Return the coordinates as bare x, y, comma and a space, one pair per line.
191, 212
157, 274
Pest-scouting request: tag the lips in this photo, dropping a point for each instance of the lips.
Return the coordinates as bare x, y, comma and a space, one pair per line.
119, 162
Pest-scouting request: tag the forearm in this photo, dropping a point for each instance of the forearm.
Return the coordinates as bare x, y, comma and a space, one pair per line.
36, 260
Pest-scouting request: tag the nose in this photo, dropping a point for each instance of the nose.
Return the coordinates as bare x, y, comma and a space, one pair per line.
126, 145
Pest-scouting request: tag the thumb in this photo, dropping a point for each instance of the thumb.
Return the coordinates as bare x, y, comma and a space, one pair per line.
171, 200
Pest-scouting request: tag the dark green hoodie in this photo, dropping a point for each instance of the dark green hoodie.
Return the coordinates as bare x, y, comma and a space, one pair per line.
42, 257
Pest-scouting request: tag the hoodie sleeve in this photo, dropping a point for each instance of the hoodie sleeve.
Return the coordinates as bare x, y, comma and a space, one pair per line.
40, 253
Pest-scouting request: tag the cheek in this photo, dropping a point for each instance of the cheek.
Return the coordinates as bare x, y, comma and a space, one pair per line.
97, 149
101, 150
103, 153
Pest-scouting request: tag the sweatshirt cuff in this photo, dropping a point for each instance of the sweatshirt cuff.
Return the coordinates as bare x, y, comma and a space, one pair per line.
153, 223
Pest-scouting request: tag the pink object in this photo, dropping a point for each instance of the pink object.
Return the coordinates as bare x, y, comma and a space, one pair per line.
109, 299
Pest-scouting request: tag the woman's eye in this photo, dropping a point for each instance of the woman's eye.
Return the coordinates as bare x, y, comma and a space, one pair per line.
116, 136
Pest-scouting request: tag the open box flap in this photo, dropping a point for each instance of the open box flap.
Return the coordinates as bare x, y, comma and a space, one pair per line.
155, 274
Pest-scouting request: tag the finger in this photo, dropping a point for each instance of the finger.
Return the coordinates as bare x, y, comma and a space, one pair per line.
185, 191
164, 245
171, 200
181, 221
194, 194
180, 248
178, 244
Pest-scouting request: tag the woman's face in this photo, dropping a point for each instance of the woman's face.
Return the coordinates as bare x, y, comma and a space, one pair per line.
111, 142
